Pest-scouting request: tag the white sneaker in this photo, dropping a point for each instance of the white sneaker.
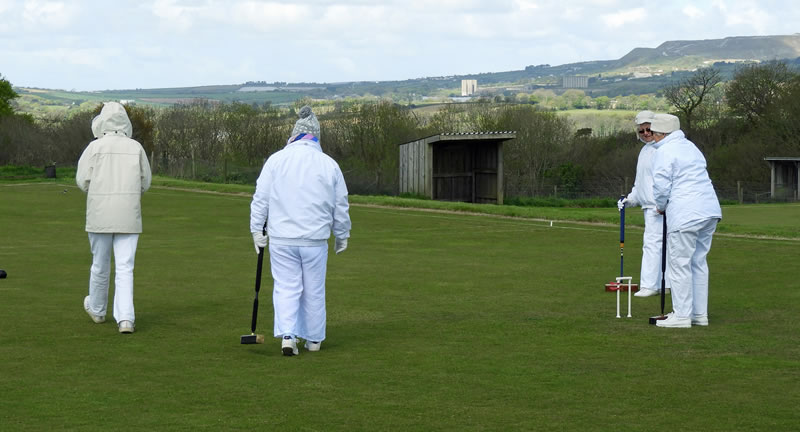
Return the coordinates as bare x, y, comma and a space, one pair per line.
700, 320
96, 318
125, 327
673, 321
289, 346
313, 346
646, 292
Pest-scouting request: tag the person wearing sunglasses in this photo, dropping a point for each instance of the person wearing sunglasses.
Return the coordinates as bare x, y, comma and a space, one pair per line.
683, 189
641, 195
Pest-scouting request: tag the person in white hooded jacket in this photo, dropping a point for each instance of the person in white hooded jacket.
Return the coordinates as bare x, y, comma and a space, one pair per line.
301, 195
642, 195
683, 192
114, 172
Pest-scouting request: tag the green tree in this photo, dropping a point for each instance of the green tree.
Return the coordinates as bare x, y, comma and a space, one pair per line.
755, 88
7, 94
603, 102
368, 135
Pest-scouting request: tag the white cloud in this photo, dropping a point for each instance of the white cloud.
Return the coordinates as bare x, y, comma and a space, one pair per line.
173, 15
525, 5
49, 14
72, 57
746, 14
621, 18
448, 6
693, 12
273, 17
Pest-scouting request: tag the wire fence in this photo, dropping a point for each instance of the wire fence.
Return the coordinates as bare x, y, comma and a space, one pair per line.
361, 184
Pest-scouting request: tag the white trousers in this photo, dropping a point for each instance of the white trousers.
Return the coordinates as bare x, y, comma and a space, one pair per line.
124, 248
687, 250
650, 276
298, 296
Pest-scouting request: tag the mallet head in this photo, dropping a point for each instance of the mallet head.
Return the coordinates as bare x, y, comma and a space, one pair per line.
653, 320
3, 274
252, 339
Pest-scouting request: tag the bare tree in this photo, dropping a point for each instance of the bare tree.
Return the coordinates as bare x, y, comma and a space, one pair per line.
688, 94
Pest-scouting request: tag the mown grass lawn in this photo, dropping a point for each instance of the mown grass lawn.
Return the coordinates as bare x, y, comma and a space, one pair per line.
436, 321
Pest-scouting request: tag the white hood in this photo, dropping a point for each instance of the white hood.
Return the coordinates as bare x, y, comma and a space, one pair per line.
112, 120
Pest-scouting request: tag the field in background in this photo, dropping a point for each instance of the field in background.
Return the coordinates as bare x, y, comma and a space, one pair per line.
601, 122
436, 321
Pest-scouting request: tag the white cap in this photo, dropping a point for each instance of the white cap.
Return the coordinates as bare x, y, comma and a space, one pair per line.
665, 123
644, 117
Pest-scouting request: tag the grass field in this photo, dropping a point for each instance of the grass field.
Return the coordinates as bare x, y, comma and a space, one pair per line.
436, 322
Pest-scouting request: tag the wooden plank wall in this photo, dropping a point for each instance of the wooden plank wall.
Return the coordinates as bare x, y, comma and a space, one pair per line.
486, 174
413, 162
456, 171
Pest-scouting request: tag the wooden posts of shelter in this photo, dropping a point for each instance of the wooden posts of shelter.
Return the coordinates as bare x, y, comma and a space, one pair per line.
464, 167
784, 177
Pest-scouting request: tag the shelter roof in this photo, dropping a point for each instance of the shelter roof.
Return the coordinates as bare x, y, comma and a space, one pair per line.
780, 158
486, 136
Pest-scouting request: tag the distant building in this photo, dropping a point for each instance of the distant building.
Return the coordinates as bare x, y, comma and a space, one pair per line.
576, 81
784, 177
469, 87
465, 167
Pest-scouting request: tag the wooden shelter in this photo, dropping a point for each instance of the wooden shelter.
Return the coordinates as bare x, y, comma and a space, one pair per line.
464, 167
784, 177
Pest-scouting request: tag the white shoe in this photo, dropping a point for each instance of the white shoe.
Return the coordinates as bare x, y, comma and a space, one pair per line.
313, 346
289, 346
646, 292
674, 321
96, 318
700, 320
125, 327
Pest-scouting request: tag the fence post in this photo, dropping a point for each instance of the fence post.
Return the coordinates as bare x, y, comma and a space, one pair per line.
739, 191
555, 191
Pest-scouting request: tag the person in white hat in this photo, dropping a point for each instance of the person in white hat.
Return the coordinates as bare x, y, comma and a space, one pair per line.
114, 172
301, 195
683, 192
642, 195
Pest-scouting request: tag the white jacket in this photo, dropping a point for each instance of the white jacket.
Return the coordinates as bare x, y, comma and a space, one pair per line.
642, 192
114, 171
681, 184
302, 196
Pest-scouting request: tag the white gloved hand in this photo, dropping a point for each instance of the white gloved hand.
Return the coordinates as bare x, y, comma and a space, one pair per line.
621, 203
340, 245
259, 240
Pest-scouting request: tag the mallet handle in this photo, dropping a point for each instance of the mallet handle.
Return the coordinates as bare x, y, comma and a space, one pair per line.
663, 262
621, 239
258, 282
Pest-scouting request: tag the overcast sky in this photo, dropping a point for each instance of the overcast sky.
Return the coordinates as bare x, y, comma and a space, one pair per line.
125, 44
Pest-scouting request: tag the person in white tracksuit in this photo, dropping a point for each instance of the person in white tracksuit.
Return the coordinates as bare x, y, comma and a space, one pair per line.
642, 195
114, 172
683, 192
302, 196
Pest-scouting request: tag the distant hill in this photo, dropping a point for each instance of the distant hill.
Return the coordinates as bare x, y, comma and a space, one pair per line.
740, 48
690, 54
641, 71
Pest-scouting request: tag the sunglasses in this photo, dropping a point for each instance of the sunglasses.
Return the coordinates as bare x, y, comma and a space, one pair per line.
642, 131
